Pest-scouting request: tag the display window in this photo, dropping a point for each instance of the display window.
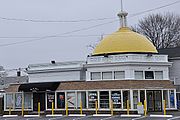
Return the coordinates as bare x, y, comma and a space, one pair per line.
116, 99
172, 101
135, 99
126, 96
18, 100
71, 100
27, 100
142, 96
104, 99
9, 100
81, 98
50, 98
92, 98
60, 100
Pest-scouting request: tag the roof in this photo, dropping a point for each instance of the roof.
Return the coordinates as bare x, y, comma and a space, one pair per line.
12, 88
124, 41
44, 86
5, 81
116, 84
171, 52
92, 85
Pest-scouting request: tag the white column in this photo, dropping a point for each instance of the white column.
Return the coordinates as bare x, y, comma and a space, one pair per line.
87, 100
175, 100
168, 99
46, 100
110, 99
139, 96
5, 101
162, 97
55, 100
32, 101
121, 99
66, 100
98, 96
145, 98
76, 98
131, 99
14, 101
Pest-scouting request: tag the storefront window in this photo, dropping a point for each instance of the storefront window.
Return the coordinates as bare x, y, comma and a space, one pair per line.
81, 98
61, 100
50, 98
92, 98
18, 100
71, 99
9, 100
171, 95
142, 96
104, 99
165, 97
135, 98
126, 96
27, 100
116, 99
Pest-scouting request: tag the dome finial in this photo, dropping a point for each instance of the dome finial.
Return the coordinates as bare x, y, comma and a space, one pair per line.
122, 16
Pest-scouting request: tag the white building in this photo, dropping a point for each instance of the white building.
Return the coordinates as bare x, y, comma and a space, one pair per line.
125, 66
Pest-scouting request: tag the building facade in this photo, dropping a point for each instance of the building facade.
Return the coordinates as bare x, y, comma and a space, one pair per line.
124, 68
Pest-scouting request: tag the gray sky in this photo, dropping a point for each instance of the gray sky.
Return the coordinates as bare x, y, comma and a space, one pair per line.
62, 48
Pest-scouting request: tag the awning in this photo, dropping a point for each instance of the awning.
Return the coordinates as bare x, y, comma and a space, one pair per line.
39, 87
116, 84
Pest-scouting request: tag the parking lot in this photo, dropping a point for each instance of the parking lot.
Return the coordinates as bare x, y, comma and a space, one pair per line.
90, 117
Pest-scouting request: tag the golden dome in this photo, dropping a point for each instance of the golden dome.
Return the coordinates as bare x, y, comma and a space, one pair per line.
124, 41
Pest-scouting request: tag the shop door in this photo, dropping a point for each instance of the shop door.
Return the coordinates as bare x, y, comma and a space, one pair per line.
154, 100
38, 97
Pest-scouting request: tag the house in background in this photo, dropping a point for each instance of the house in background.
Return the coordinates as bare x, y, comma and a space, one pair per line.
124, 68
174, 72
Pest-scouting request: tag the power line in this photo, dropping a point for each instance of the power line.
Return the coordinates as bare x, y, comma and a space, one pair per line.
58, 35
53, 21
83, 20
156, 8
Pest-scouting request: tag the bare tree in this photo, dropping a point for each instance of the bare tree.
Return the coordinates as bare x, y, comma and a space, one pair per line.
162, 29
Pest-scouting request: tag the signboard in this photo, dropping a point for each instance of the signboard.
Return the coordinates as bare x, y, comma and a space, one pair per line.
50, 99
92, 97
60, 100
116, 97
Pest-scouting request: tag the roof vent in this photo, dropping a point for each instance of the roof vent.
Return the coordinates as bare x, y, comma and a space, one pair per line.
53, 62
18, 73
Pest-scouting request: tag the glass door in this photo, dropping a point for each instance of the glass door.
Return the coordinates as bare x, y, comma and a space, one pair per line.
154, 100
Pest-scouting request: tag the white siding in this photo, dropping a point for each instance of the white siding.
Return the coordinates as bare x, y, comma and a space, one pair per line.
55, 76
175, 71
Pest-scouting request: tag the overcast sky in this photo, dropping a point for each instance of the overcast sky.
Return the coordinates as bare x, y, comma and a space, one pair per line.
62, 48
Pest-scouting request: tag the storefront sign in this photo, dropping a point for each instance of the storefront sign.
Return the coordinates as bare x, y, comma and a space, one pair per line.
61, 100
50, 97
116, 97
92, 97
